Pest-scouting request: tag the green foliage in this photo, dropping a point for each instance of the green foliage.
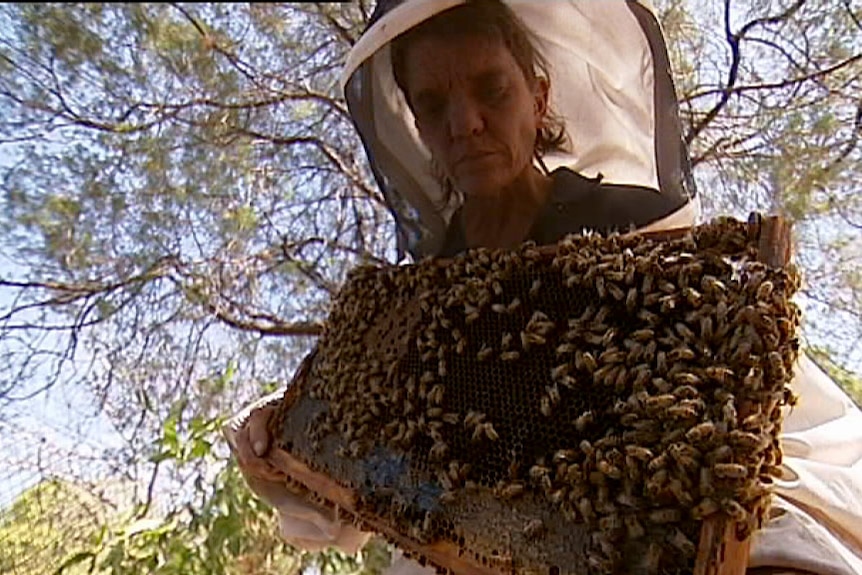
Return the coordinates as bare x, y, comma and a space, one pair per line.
46, 523
851, 382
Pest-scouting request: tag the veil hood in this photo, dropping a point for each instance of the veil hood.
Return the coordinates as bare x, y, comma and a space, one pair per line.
611, 85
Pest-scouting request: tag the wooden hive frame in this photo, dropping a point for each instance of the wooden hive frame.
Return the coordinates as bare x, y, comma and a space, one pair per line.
719, 550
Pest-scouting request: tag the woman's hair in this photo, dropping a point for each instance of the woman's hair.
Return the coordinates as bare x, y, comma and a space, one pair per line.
490, 19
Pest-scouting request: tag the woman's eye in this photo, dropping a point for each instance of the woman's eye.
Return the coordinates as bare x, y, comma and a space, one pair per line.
494, 93
429, 107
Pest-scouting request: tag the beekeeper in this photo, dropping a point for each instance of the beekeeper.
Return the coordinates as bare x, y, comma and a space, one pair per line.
489, 123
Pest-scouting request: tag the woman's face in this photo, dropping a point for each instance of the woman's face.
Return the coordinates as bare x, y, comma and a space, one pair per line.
475, 111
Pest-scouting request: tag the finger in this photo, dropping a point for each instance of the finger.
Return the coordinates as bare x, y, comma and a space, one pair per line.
244, 452
258, 430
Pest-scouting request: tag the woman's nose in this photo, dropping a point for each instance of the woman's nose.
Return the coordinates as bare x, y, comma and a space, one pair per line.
465, 119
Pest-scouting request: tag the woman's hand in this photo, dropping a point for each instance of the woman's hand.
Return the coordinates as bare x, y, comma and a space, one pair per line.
253, 444
302, 524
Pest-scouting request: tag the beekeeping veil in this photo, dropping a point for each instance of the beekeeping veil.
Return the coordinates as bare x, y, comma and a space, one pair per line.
610, 83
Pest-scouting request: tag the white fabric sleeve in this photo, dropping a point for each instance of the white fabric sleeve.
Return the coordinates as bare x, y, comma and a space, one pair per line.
817, 508
301, 524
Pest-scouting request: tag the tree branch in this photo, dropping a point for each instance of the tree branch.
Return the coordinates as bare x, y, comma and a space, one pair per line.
734, 40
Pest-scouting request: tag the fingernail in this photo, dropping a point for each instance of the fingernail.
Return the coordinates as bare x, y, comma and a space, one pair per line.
259, 447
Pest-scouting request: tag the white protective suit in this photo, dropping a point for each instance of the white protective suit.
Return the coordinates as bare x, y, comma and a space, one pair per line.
611, 83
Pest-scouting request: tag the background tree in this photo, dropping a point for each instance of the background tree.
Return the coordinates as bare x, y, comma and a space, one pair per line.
182, 193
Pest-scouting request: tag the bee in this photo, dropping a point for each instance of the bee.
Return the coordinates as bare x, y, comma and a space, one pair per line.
587, 447
711, 284
756, 421
565, 348
679, 540
684, 331
730, 471
661, 362
530, 339
705, 508
539, 472
605, 375
661, 385
776, 365
434, 412
616, 291
557, 497
584, 420
573, 474
747, 441
734, 510
610, 470
643, 335
728, 413
678, 490
473, 418
565, 455
647, 284
649, 351
612, 356
506, 340
685, 378
455, 472
684, 454
447, 497
656, 463
441, 368
639, 452
686, 392
720, 454
553, 393
631, 297
772, 470
560, 371
435, 396
534, 289
513, 305
438, 451
668, 303
764, 290
701, 432
642, 376
585, 508
490, 432
600, 287
510, 355
545, 406
719, 374
427, 377
534, 529
610, 523
649, 317
681, 353
658, 403
694, 298
484, 353
586, 360
512, 490
664, 515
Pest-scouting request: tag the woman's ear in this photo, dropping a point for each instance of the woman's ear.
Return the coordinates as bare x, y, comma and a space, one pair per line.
541, 93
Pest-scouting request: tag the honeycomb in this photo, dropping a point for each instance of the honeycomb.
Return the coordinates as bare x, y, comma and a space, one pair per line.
575, 408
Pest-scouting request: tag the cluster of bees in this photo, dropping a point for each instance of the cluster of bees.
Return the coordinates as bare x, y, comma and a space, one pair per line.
637, 384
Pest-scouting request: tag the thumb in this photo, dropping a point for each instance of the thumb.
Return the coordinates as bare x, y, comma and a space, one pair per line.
258, 432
